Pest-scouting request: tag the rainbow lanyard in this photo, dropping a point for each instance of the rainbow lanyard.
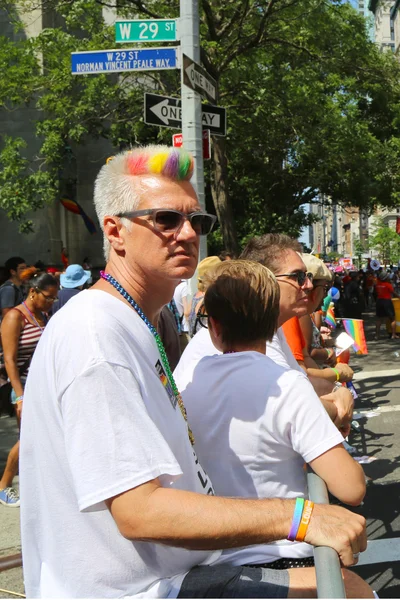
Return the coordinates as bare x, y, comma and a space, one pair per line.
160, 345
33, 317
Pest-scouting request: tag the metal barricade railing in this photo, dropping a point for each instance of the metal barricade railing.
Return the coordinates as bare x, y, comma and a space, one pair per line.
327, 565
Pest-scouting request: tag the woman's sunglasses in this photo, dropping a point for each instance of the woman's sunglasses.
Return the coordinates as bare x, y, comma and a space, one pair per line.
171, 221
48, 298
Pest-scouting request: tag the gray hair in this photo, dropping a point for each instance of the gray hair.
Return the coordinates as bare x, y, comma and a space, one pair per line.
114, 194
269, 249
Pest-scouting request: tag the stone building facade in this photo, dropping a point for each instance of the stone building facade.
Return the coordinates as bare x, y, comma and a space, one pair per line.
54, 227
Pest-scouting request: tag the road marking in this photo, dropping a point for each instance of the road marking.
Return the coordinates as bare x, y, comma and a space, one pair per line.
389, 408
376, 374
377, 410
380, 551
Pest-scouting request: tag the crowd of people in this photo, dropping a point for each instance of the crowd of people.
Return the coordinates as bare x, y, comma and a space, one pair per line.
163, 439
29, 296
362, 290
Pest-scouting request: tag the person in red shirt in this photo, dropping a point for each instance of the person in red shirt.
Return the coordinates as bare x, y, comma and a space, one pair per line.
384, 305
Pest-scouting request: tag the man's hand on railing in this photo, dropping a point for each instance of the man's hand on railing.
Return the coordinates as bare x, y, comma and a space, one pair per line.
344, 402
340, 529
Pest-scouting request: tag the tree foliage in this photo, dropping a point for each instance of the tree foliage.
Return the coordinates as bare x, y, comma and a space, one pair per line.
386, 242
313, 108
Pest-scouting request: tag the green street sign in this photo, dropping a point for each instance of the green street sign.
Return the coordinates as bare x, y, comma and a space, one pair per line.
152, 30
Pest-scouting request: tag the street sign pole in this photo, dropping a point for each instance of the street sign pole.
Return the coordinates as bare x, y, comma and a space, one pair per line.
191, 105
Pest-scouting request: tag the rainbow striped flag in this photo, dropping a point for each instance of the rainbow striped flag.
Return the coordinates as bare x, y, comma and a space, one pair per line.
355, 329
74, 207
330, 317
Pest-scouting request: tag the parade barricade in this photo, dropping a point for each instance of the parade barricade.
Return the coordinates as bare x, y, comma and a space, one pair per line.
327, 565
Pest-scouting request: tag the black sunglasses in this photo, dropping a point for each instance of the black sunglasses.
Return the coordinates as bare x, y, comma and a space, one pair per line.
326, 286
171, 221
202, 320
299, 276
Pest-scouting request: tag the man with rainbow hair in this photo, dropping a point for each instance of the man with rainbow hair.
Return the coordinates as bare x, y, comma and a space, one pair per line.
114, 500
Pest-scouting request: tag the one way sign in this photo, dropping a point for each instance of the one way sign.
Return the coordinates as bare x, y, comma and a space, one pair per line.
197, 78
165, 111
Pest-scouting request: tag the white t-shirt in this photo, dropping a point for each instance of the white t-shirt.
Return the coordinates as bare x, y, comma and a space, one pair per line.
279, 351
201, 345
98, 421
180, 293
255, 424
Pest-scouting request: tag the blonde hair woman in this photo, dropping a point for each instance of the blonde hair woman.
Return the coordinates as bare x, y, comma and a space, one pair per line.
196, 308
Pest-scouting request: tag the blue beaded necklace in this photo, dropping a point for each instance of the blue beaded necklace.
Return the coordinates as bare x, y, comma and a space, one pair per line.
160, 345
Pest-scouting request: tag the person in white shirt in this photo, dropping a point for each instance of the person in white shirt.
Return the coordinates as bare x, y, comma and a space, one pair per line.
114, 500
280, 254
182, 303
255, 422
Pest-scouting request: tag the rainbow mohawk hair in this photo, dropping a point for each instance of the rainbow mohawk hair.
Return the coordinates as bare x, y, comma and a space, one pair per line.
174, 163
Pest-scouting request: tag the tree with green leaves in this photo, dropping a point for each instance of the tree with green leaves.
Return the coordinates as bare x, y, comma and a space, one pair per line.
386, 242
333, 256
313, 108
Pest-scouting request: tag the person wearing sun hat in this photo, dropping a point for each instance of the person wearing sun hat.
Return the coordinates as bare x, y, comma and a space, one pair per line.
319, 349
72, 282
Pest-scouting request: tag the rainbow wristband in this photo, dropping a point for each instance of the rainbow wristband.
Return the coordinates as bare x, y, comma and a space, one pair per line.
305, 521
336, 373
298, 512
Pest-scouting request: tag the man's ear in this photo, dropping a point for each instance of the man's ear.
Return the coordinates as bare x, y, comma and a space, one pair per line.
112, 230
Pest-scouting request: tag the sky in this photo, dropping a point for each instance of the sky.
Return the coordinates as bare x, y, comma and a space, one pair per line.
304, 237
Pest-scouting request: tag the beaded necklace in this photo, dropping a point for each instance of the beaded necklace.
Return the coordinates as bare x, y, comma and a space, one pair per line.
160, 345
33, 317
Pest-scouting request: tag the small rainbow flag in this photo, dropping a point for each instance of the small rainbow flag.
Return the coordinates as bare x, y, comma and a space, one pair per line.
355, 329
74, 207
330, 317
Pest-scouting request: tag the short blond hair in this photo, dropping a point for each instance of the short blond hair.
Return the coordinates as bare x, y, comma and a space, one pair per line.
208, 263
243, 296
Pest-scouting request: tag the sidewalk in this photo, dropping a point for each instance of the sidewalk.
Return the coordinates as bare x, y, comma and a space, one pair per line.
10, 541
378, 382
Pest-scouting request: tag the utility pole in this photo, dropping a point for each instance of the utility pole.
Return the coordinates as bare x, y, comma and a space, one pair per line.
189, 32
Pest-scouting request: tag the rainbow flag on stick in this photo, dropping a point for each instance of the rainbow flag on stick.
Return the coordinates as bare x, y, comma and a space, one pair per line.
355, 329
74, 207
330, 317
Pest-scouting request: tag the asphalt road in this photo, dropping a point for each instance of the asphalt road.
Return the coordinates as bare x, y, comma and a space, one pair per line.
378, 381
378, 411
